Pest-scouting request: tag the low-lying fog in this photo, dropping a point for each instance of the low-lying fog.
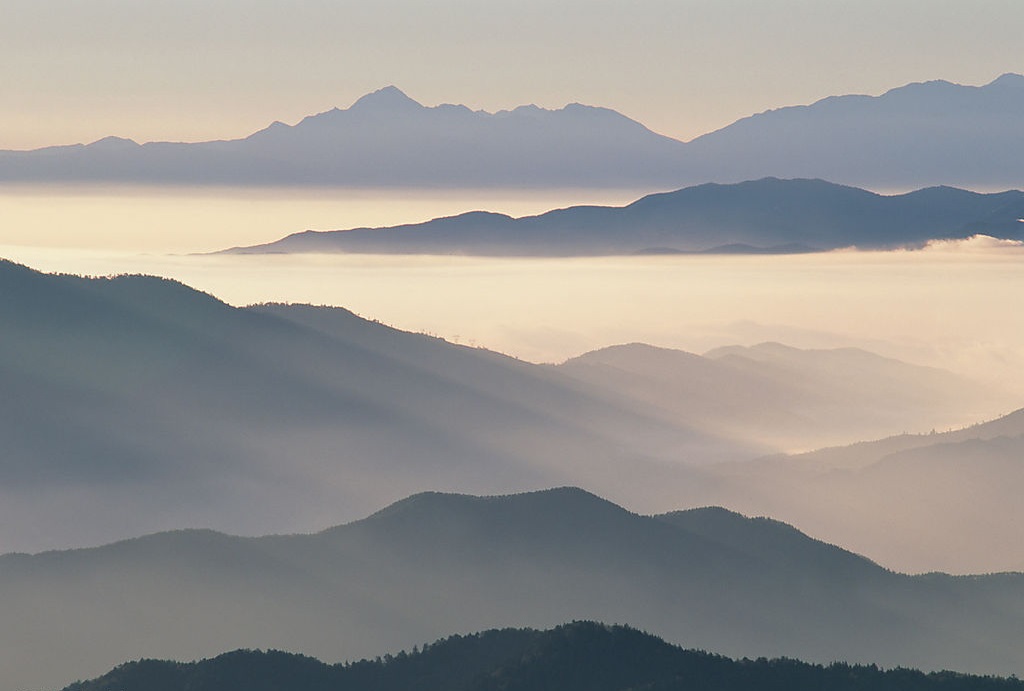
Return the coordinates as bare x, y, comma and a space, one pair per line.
198, 219
951, 305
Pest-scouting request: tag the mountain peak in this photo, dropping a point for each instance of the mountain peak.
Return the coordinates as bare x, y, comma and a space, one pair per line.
390, 98
560, 511
1010, 79
556, 497
114, 143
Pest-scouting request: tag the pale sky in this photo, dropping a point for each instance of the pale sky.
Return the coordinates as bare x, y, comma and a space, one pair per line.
188, 70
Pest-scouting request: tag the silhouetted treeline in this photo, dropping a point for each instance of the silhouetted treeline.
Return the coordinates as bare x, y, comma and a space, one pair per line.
582, 656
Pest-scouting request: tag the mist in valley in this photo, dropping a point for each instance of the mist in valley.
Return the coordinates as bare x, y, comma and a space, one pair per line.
619, 314
221, 399
948, 305
161, 407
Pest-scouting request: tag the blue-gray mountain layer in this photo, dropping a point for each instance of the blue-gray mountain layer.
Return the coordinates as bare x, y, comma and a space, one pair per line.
385, 139
922, 134
918, 135
939, 500
437, 563
136, 404
759, 216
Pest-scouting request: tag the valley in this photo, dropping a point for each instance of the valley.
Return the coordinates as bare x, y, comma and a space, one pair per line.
567, 401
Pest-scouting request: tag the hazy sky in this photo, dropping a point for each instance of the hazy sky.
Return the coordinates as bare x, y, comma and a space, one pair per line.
188, 70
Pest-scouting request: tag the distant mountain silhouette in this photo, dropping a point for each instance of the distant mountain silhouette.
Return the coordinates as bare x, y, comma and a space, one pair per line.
771, 393
581, 656
925, 134
436, 563
385, 139
946, 500
760, 216
136, 404
922, 134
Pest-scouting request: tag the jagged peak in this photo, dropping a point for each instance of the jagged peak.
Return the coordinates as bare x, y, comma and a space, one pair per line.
389, 98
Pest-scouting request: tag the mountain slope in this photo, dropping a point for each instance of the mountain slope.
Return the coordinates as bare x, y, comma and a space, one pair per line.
781, 395
438, 563
760, 215
924, 134
136, 403
385, 139
948, 501
582, 656
916, 135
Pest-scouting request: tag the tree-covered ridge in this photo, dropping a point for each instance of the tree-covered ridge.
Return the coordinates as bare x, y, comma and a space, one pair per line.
582, 656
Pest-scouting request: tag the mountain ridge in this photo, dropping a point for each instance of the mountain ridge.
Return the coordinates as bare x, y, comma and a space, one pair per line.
383, 139
911, 136
249, 396
580, 656
955, 492
765, 215
919, 134
139, 402
438, 562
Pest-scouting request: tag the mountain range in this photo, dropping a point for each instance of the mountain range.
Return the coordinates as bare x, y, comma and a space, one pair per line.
434, 563
581, 656
772, 393
385, 139
759, 216
135, 404
945, 500
138, 403
921, 134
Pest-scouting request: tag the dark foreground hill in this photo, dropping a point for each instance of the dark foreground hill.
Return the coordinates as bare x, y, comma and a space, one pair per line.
766, 215
582, 656
437, 563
